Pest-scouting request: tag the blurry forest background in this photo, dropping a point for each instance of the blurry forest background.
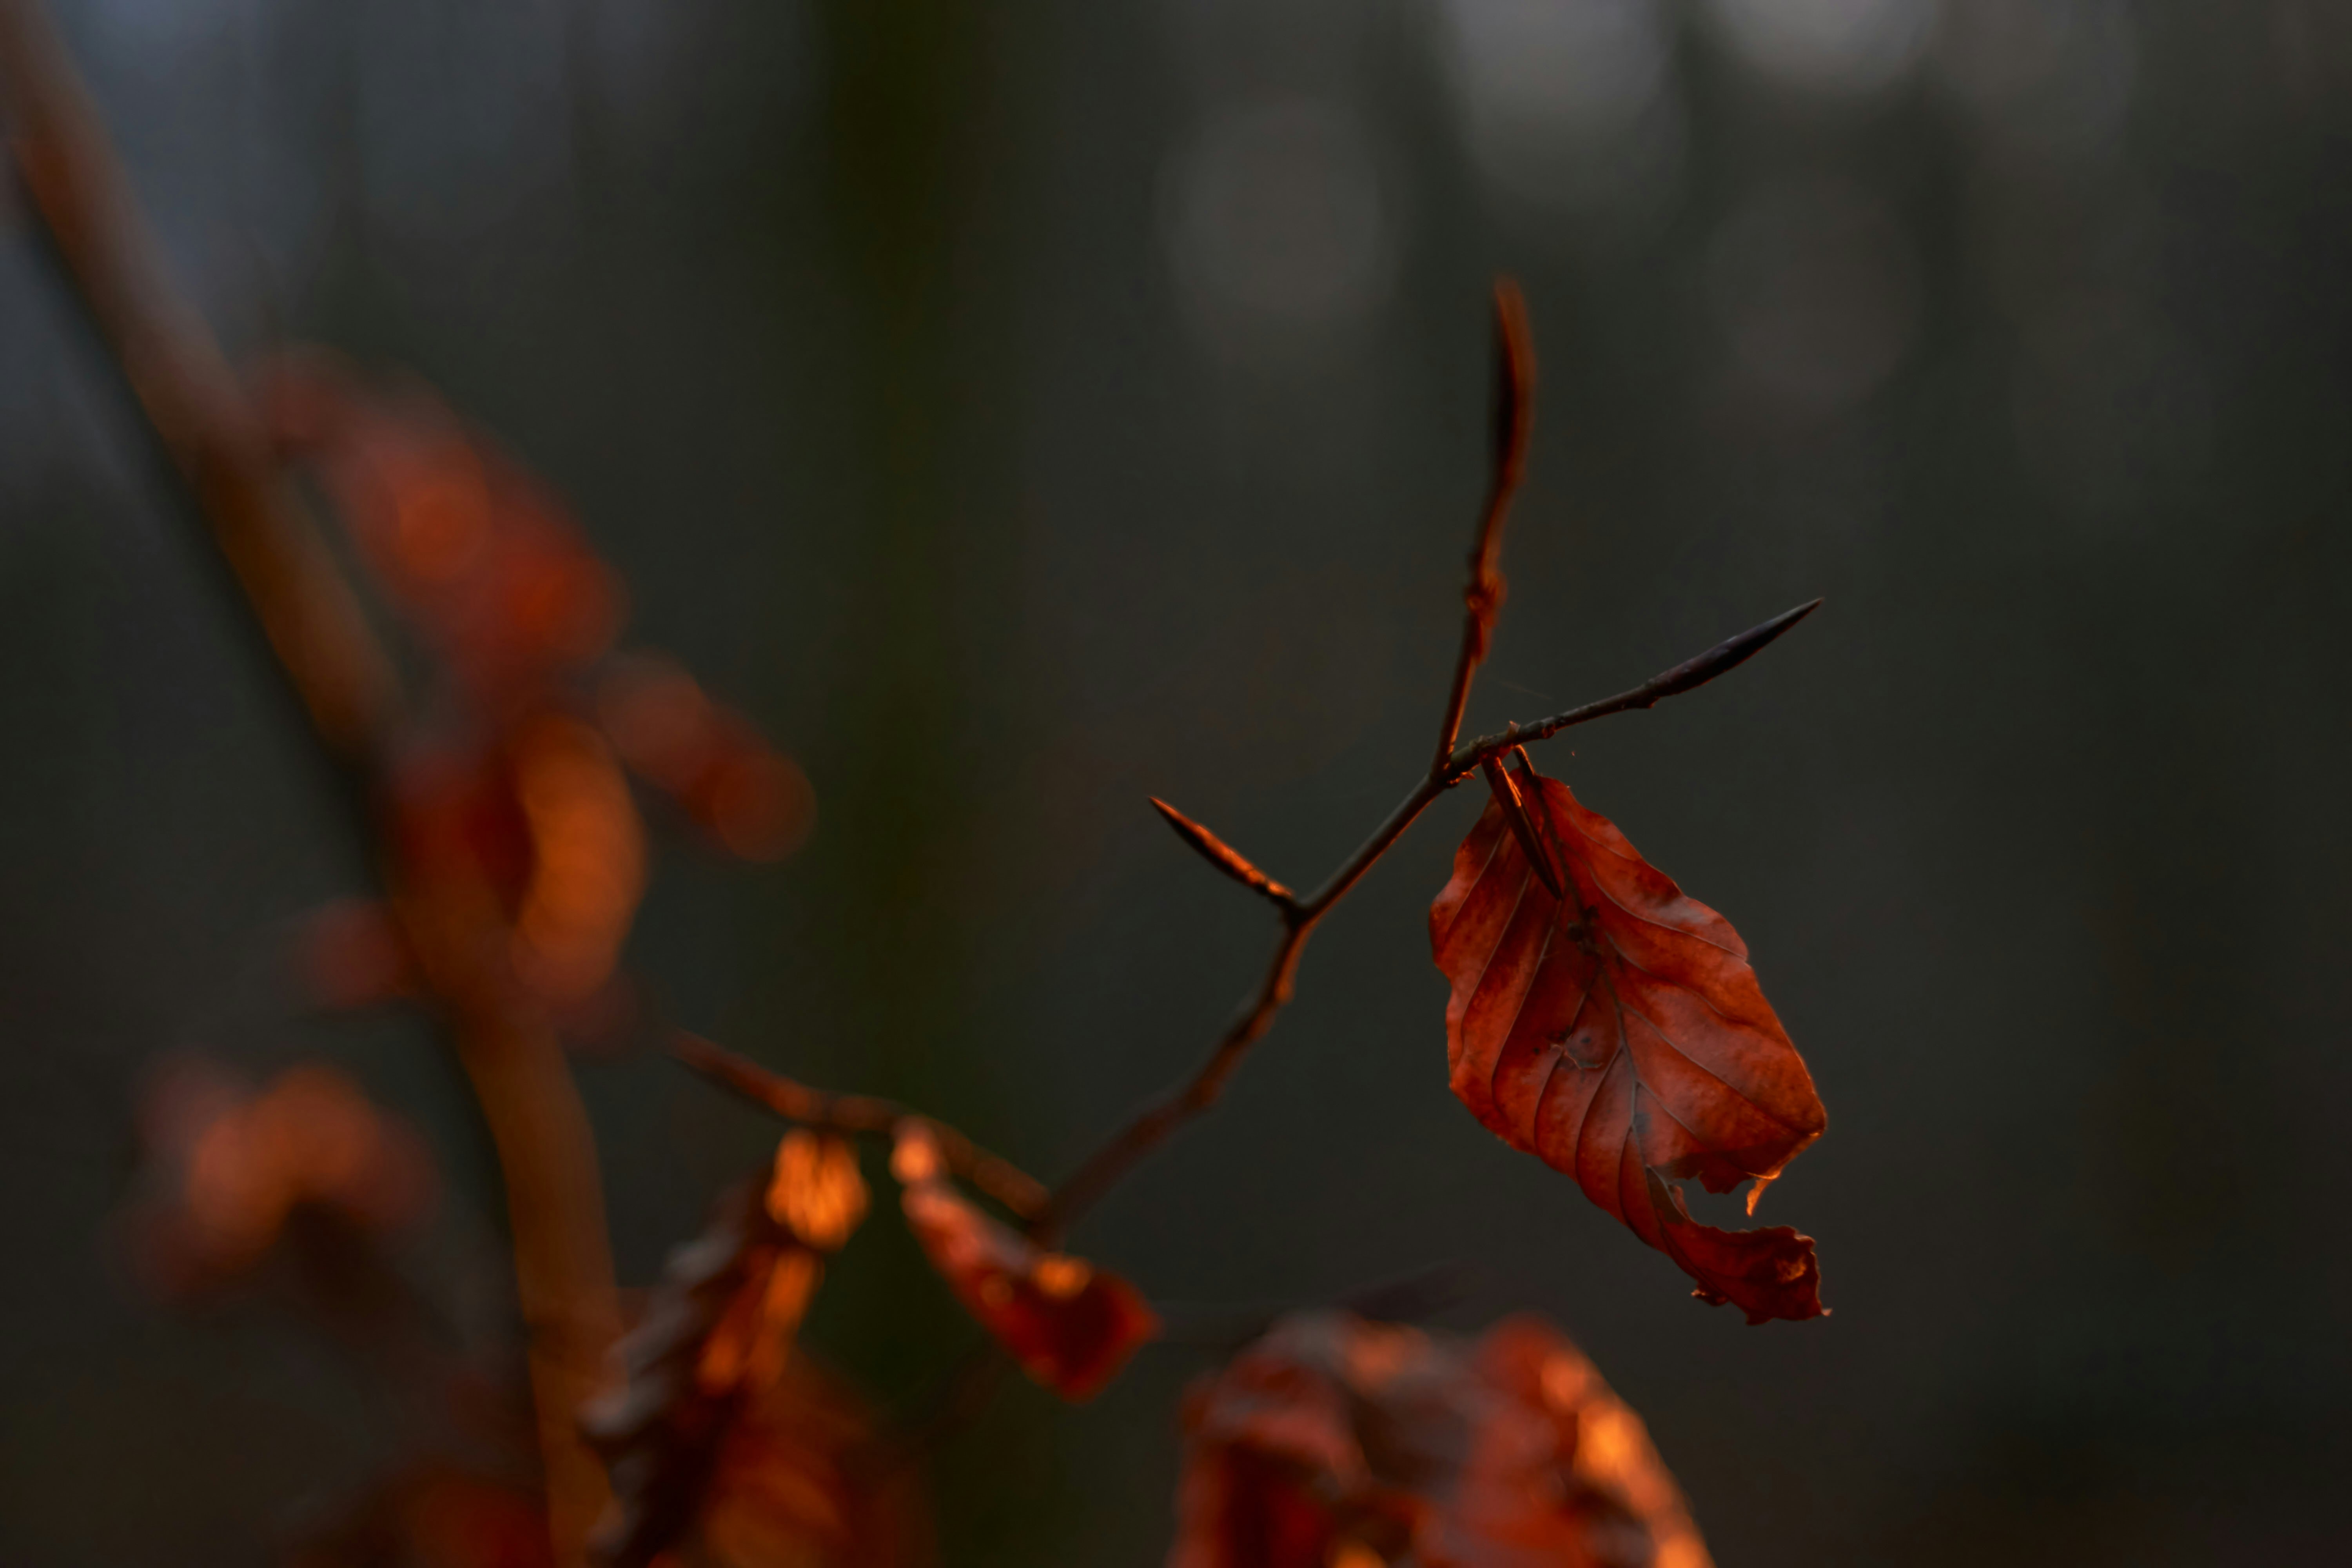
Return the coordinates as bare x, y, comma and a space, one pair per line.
1024, 408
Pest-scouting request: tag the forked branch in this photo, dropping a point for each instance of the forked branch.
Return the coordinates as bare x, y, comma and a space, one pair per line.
1514, 376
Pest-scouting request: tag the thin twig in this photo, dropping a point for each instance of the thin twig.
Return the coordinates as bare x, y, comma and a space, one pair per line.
859, 1114
1515, 411
1515, 380
1723, 657
1226, 858
1109, 1164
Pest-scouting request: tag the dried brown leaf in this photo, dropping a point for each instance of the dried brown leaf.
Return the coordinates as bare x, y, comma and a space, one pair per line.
1620, 1035
1334, 1440
717, 1337
1070, 1325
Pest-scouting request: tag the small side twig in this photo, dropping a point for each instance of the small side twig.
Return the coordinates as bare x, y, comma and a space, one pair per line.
1226, 858
1515, 378
860, 1115
1720, 659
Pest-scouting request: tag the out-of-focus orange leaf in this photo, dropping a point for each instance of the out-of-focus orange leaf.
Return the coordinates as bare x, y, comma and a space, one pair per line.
433, 1515
471, 547
795, 1486
227, 1171
715, 1339
533, 849
587, 859
755, 802
520, 852
1070, 1325
1620, 1035
1337, 1443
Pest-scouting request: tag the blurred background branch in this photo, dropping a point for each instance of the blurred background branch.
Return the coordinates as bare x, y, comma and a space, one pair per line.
546, 1149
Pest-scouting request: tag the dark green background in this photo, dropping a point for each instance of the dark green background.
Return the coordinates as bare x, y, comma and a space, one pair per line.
851, 332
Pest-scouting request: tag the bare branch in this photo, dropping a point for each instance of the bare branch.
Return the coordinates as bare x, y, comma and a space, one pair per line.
1149, 1128
859, 1114
1226, 858
1724, 657
1515, 373
1482, 597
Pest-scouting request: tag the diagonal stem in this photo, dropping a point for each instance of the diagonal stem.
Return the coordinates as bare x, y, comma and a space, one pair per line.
1697, 671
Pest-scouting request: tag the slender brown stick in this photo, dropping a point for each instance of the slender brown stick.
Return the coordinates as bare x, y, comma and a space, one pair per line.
859, 1114
1723, 657
323, 645
1226, 858
1515, 411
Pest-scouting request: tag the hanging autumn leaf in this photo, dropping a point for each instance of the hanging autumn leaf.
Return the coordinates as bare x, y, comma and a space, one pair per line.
471, 547
1334, 1442
755, 801
1070, 1325
518, 855
795, 1485
715, 1339
1619, 1034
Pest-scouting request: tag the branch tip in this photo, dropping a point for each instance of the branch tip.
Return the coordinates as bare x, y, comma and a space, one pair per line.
1513, 415
1515, 382
1224, 856
1458, 764
1729, 654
